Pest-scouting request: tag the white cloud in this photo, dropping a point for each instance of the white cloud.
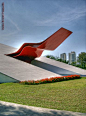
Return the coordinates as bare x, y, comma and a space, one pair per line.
12, 32
64, 15
13, 23
9, 34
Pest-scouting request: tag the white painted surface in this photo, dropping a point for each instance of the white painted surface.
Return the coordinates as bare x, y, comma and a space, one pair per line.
61, 65
20, 70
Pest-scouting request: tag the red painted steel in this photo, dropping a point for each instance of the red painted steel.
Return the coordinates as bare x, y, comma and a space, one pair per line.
52, 42
29, 51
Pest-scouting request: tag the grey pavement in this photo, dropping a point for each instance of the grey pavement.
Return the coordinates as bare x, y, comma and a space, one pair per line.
12, 109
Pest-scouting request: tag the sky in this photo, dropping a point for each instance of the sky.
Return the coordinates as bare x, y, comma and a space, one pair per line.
32, 21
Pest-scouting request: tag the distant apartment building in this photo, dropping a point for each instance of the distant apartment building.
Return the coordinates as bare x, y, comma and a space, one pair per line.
63, 56
72, 57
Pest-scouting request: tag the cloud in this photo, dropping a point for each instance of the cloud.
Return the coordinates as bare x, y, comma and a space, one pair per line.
64, 15
9, 34
13, 23
12, 32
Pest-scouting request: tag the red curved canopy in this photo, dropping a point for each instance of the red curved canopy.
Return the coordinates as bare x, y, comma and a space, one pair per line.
29, 51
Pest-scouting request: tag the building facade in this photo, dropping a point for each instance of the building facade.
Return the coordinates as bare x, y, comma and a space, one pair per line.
72, 57
63, 56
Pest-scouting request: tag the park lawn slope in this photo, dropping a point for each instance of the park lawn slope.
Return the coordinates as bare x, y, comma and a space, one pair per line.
66, 95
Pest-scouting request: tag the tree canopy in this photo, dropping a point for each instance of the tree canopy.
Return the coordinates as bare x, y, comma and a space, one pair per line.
82, 59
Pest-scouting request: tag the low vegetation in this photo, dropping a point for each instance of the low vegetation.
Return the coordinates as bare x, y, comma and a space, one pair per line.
64, 95
50, 80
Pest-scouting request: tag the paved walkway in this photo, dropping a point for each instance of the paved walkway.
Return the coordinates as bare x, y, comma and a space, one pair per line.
12, 109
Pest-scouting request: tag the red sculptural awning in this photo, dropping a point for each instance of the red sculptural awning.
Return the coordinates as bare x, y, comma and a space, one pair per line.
33, 50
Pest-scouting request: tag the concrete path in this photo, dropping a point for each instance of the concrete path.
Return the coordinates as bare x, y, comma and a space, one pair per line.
12, 109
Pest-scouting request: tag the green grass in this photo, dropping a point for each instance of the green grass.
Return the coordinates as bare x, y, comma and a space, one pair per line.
67, 95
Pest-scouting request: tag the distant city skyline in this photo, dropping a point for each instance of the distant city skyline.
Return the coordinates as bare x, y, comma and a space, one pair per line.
64, 56
32, 21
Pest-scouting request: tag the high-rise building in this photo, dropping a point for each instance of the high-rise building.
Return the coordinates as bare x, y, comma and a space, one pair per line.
63, 56
72, 57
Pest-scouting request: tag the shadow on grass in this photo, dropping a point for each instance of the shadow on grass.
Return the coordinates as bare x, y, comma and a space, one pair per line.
18, 110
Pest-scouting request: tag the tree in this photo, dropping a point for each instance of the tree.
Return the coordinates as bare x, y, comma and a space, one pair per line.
73, 63
51, 57
48, 56
82, 59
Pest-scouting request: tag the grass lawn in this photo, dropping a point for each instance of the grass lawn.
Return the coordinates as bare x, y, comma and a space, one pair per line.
66, 95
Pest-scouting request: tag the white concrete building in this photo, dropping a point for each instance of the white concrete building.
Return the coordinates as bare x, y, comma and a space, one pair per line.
72, 57
63, 56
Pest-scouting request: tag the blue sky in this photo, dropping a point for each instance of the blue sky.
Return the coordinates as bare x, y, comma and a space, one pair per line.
34, 20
